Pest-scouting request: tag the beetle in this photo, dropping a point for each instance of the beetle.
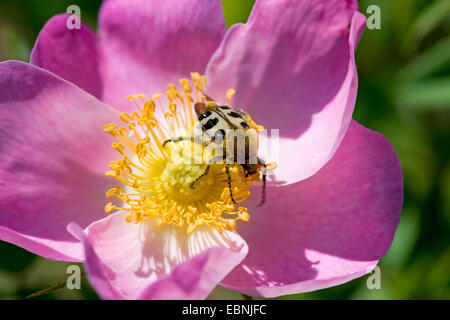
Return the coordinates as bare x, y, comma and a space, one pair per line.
230, 129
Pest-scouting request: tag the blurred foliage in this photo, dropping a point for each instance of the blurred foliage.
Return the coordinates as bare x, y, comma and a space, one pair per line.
404, 93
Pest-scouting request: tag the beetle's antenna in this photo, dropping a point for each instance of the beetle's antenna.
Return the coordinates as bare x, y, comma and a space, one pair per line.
177, 139
208, 98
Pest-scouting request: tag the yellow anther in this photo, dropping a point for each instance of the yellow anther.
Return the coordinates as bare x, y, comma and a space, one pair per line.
230, 225
180, 224
113, 174
125, 117
117, 146
113, 193
135, 116
136, 96
116, 164
185, 85
150, 105
191, 227
192, 210
203, 81
173, 211
145, 140
243, 214
230, 93
136, 184
110, 128
124, 197
123, 131
156, 96
195, 76
254, 125
210, 104
109, 207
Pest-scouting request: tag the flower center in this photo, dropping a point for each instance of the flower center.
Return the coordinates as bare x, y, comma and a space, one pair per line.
168, 181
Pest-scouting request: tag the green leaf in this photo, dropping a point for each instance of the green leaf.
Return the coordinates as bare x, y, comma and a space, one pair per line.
426, 21
433, 94
236, 11
427, 62
405, 239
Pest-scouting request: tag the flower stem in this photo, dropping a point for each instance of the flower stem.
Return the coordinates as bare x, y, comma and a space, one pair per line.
58, 285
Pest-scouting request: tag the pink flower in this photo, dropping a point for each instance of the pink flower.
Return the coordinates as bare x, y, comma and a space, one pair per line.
332, 207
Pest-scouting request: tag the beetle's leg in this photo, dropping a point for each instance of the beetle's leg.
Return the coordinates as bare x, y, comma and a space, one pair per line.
178, 139
199, 177
211, 161
227, 169
263, 196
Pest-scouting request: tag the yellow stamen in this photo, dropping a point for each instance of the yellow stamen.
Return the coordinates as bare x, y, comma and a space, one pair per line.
230, 93
156, 181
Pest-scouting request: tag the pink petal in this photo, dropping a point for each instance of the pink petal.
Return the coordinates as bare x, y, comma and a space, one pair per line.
328, 229
94, 269
53, 155
148, 44
70, 54
146, 261
293, 69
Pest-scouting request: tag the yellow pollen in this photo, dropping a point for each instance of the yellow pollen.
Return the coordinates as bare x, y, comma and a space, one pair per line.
156, 180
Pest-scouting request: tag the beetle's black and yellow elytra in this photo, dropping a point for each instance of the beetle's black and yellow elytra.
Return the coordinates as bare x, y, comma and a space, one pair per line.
231, 129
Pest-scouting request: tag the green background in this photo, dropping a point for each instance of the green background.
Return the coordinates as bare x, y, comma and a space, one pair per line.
404, 93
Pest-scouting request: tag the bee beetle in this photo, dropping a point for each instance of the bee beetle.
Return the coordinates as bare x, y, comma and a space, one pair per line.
230, 129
